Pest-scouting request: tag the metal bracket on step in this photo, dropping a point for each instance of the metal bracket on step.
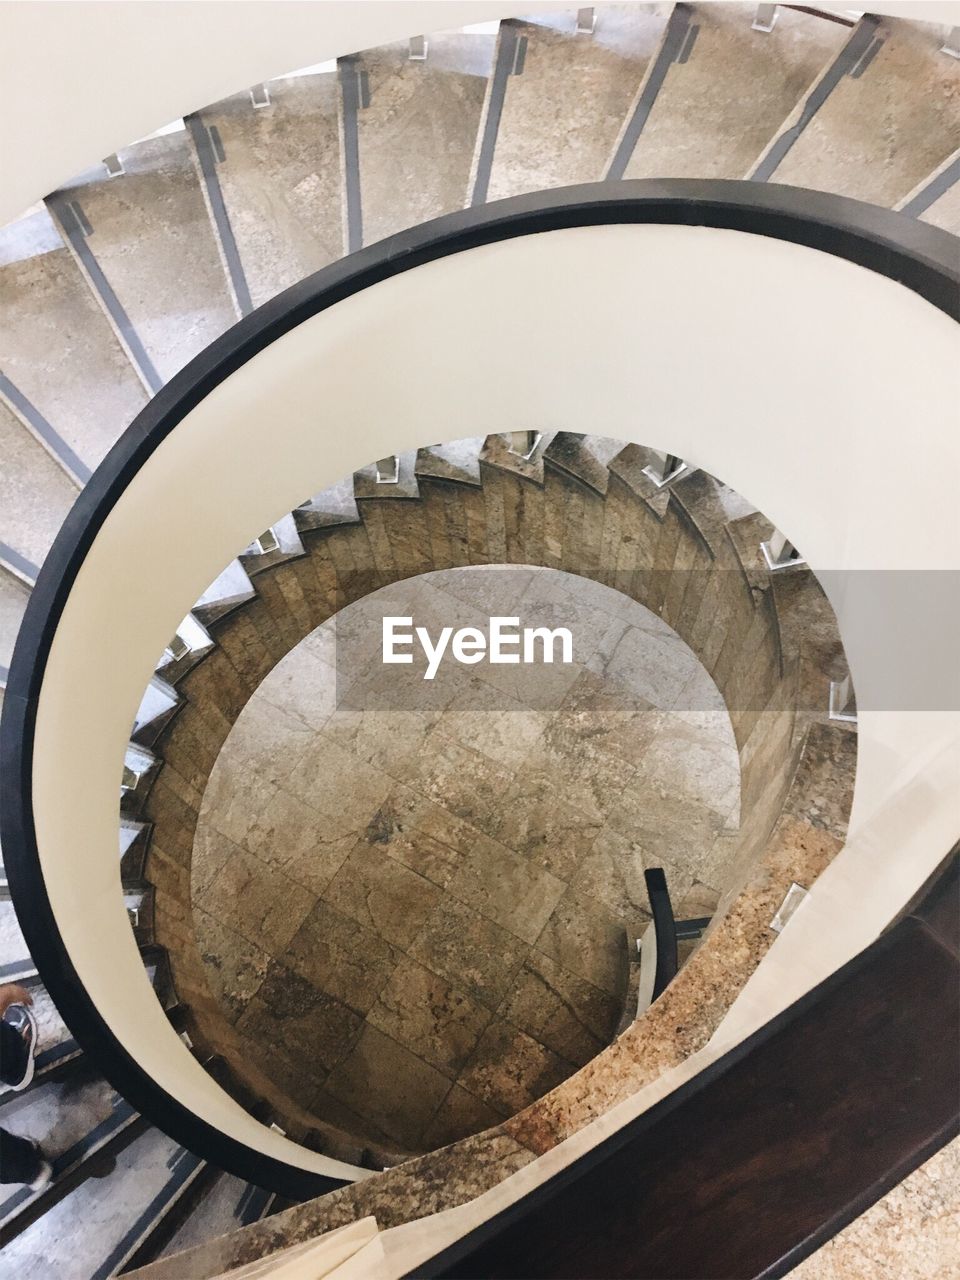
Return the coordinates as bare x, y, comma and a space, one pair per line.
586, 21
418, 48
260, 96
114, 166
666, 467
951, 46
178, 647
766, 18
267, 542
843, 701
793, 898
779, 553
523, 444
388, 469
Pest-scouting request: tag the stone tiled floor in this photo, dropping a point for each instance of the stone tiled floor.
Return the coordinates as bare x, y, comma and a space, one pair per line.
416, 899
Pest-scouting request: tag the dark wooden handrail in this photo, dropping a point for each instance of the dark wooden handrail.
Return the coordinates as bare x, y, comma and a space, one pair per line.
761, 1158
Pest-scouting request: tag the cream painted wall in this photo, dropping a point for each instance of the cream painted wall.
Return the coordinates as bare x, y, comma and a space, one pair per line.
82, 78
716, 345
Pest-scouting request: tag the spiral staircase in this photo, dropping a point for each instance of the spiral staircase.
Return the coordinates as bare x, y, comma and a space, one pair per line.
135, 267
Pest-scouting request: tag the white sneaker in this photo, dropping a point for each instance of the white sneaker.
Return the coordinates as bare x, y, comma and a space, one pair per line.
21, 1019
45, 1174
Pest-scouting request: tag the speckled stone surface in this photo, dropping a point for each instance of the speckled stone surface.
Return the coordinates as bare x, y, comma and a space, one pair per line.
60, 352
281, 180
35, 491
717, 110
562, 114
911, 1233
13, 602
417, 132
152, 237
408, 904
427, 1185
880, 134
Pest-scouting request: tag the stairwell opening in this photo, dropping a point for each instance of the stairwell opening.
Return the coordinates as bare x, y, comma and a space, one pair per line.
400, 911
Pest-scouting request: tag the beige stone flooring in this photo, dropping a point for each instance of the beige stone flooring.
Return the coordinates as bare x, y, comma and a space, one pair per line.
417, 899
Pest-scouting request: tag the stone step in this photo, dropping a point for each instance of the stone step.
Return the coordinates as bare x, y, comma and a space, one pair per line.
393, 478
140, 770
159, 704
76, 1120
35, 492
14, 595
567, 94
586, 458
334, 506
416, 128
134, 839
278, 170
710, 504
148, 231
228, 590
892, 117
276, 545
190, 645
458, 461
106, 1218
725, 89
225, 1204
60, 356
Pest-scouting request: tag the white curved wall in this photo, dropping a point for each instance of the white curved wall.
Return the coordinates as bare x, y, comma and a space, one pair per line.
795, 376
83, 78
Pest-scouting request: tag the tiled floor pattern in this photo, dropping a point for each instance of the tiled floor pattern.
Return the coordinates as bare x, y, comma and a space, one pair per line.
415, 898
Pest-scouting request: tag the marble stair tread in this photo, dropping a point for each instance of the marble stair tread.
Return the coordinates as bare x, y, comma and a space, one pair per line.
746, 534
880, 132
727, 93
227, 1204
228, 589
334, 506
416, 128
562, 112
13, 603
60, 353
134, 837
89, 1230
152, 237
496, 452
710, 504
160, 702
629, 465
170, 667
281, 179
366, 485
35, 492
459, 461
809, 632
289, 547
586, 458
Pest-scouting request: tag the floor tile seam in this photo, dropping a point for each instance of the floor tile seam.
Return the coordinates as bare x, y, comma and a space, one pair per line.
565, 1003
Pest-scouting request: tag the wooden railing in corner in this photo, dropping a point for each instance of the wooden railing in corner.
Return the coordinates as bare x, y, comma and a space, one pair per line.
776, 1147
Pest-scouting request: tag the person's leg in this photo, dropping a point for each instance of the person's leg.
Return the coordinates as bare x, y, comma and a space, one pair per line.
20, 1159
14, 1053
